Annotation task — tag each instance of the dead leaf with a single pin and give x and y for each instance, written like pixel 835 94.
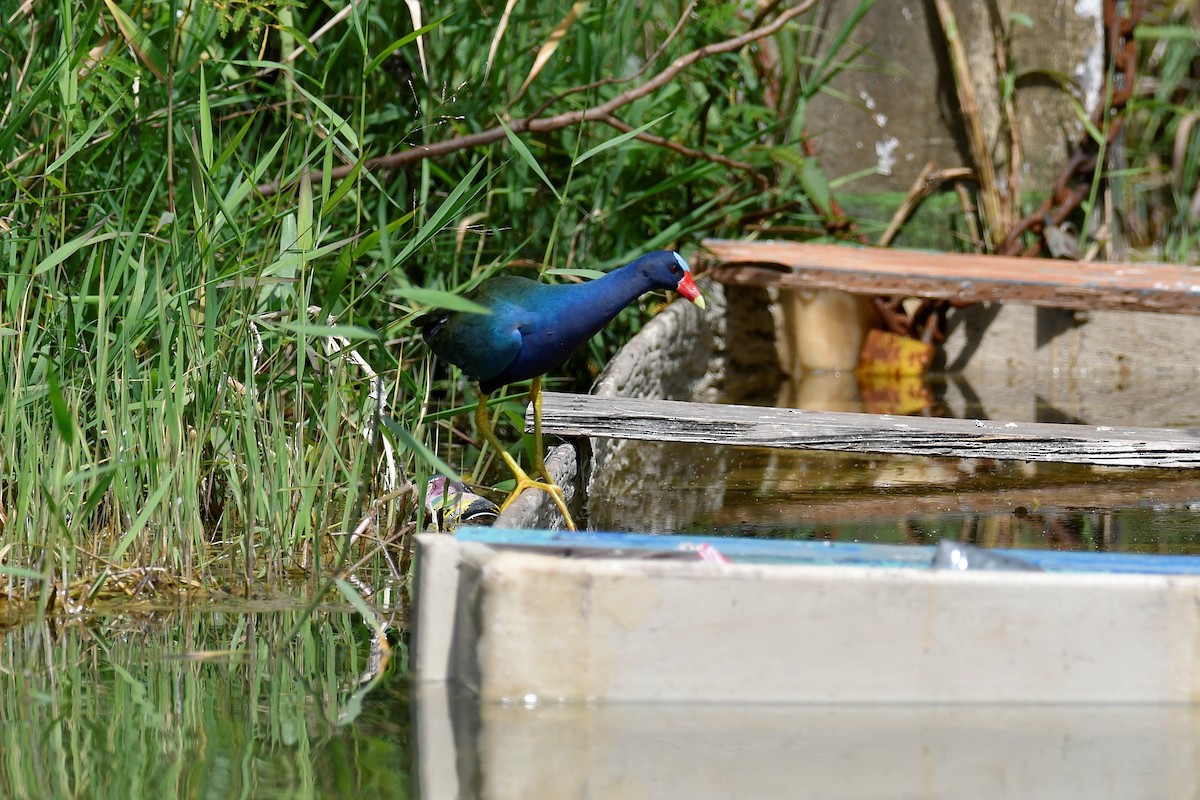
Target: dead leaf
pixel 551 44
pixel 414 11
pixel 503 26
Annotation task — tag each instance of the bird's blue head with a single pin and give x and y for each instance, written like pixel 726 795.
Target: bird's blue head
pixel 666 269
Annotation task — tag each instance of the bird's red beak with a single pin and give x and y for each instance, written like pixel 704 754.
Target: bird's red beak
pixel 687 288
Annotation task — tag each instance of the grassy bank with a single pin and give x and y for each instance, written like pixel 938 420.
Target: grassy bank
pixel 219 221
pixel 207 284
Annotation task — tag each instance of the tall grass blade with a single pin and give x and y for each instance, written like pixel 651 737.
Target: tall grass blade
pixel 617 141
pixel 462 195
pixel 523 152
pixel 391 49
pixel 136 38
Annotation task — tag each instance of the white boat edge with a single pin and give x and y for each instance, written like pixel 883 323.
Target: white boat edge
pixel 512 626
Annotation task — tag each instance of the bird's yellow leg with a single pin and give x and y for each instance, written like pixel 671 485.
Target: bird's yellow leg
pixel 483 423
pixel 539 452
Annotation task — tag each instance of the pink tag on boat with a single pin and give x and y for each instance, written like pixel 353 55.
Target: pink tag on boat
pixel 711 555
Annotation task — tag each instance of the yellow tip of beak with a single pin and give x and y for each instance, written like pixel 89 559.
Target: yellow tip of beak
pixel 699 301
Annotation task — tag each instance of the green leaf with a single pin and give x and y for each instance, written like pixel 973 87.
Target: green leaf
pixel 441 299
pixel 340 125
pixel 815 184
pixel 337 281
pixel 305 237
pixel 618 140
pixel 808 173
pixel 206 179
pixel 83 140
pixel 22 572
pixel 70 248
pixel 372 239
pixel 354 704
pixel 352 332
pixel 403 40
pixel 206 131
pixel 826 68
pixel 139 522
pixel 233 145
pixel 462 195
pixel 343 188
pixel 96 495
pixel 1024 20
pixel 147 51
pixel 406 439
pixel 1169 32
pixel 528 158
pixel 301 39
pixel 241 188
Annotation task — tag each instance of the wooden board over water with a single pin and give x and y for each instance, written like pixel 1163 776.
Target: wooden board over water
pixel 571 415
pixel 964 278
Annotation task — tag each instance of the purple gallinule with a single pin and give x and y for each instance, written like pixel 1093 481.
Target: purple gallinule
pixel 532 329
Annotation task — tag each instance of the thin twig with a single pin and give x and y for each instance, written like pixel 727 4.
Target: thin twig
pixel 684 150
pixel 609 81
pixel 764 12
pixel 969 212
pixel 1012 192
pixel 980 153
pixel 542 125
pixel 916 193
pixel 923 186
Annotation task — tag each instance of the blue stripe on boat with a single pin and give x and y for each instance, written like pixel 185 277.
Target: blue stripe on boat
pixel 787 551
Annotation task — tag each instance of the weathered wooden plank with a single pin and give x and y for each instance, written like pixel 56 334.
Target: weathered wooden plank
pixel 572 415
pixel 963 278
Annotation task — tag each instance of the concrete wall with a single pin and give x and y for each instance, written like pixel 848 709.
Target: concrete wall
pixel 904 110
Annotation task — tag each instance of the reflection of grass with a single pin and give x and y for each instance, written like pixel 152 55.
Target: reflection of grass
pixel 198 705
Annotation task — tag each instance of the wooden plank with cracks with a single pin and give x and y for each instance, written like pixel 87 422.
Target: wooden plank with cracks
pixel 962 278
pixel 572 415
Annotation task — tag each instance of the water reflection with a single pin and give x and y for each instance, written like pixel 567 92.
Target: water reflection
pixel 667 487
pixel 702 751
pixel 190 704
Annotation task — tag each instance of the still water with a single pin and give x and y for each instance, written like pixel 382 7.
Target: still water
pixel 667 487
pixel 202 703
pixel 276 701
pixel 269 704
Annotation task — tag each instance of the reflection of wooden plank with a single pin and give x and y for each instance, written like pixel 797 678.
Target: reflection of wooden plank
pixel 952 276
pixel 711 423
pixel 882 504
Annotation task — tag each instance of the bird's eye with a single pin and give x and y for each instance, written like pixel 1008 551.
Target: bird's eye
pixel 676 269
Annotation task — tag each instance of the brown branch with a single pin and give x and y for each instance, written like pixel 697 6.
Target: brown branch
pixel 596 113
pixel 764 12
pixel 691 152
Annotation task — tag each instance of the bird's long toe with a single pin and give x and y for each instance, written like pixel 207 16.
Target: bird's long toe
pixel 554 490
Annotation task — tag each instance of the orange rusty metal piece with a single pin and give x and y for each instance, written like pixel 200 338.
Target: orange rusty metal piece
pixel 889 354
pixel 898 395
pixel 891 373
